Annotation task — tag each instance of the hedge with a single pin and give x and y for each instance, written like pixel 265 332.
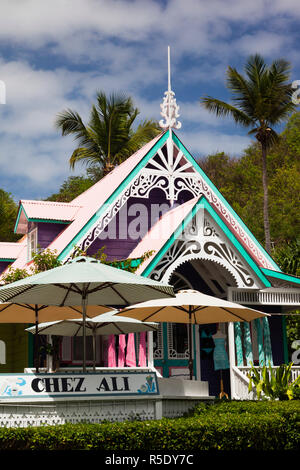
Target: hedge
pixel 226 426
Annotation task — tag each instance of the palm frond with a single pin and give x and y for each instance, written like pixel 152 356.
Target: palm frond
pixel 109 136
pixel 222 109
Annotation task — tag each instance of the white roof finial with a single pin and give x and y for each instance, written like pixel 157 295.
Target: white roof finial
pixel 169 107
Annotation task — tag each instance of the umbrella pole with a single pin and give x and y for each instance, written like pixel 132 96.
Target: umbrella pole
pixel 84 302
pixel 190 344
pixel 94 349
pixel 36 353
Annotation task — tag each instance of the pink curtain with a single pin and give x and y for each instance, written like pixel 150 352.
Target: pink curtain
pixel 121 351
pixel 130 354
pixel 142 350
pixel 111 351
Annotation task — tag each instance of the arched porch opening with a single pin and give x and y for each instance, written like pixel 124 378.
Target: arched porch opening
pixel 170 343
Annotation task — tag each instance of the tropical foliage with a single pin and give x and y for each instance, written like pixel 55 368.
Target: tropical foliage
pixel 261 100
pixel 239 178
pixel 274 383
pixel 71 188
pixel 109 137
pixel 8 214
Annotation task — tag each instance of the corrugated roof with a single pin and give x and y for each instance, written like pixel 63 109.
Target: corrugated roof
pixel 50 210
pixel 96 196
pixel 10 250
pixel 83 206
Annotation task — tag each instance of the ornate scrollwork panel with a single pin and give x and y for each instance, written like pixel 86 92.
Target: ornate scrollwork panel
pixel 170 171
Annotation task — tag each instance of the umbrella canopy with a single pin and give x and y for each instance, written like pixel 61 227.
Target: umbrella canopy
pixel 84 278
pixel 84 281
pixel 33 313
pixel 192 307
pixel 27 313
pixel 105 324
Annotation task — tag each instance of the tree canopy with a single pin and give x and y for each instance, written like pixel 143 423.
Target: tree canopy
pixel 261 99
pixel 109 137
pixel 8 213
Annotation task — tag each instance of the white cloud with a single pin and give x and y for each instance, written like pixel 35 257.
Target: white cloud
pixel 208 142
pixel 60 52
pixel 267 43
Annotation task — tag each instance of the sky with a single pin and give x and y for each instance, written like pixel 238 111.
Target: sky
pixel 57 54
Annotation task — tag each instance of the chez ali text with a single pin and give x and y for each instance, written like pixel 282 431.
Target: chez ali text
pixel 77 384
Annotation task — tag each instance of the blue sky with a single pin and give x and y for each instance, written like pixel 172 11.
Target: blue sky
pixel 56 55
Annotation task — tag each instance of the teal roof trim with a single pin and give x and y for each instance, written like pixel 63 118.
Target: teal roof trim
pixel 114 195
pixel 209 182
pixel 50 221
pixel 21 208
pixel 281 275
pixel 203 203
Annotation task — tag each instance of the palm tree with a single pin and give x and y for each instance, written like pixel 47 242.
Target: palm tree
pixel 261 100
pixel 108 138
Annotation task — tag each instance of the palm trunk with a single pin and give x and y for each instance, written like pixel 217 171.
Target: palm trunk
pixel 266 198
pixel 108 168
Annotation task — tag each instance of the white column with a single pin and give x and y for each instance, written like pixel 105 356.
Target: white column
pixel 2 352
pixel 197 358
pixel 49 357
pixel 150 349
pixel 231 354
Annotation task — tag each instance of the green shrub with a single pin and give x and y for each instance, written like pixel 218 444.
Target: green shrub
pixel 229 425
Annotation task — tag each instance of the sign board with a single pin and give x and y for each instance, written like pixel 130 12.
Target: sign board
pixel 32 387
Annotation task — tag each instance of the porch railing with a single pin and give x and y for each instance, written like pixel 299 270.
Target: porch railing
pixel 240 381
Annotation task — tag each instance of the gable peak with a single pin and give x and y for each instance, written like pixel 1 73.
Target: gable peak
pixel 169 107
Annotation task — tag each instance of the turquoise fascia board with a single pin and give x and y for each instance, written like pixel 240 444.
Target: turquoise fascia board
pixel 203 203
pixel 170 242
pixel 50 221
pixel 35 220
pixel 205 177
pixel 21 208
pixel 8 260
pixel 114 195
pixel 281 275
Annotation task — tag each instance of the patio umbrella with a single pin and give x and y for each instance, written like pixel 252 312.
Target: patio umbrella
pixel 33 313
pixel 105 324
pixel 192 307
pixel 84 281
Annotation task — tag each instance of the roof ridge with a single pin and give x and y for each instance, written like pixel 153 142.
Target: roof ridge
pixel 117 167
pixel 57 203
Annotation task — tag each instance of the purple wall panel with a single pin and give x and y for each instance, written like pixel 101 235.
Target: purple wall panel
pixel 47 232
pixel 130 225
pixel 3 265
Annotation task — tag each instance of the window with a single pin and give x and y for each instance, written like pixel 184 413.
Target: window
pixel 31 243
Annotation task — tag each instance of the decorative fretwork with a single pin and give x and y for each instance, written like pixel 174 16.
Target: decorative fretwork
pixel 158 343
pixel 179 250
pixel 202 240
pixel 225 252
pixel 173 352
pixel 170 171
pixel 209 230
pixel 269 296
pixel 169 107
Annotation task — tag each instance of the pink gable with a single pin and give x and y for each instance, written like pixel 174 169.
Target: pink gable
pixel 50 210
pixel 95 197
